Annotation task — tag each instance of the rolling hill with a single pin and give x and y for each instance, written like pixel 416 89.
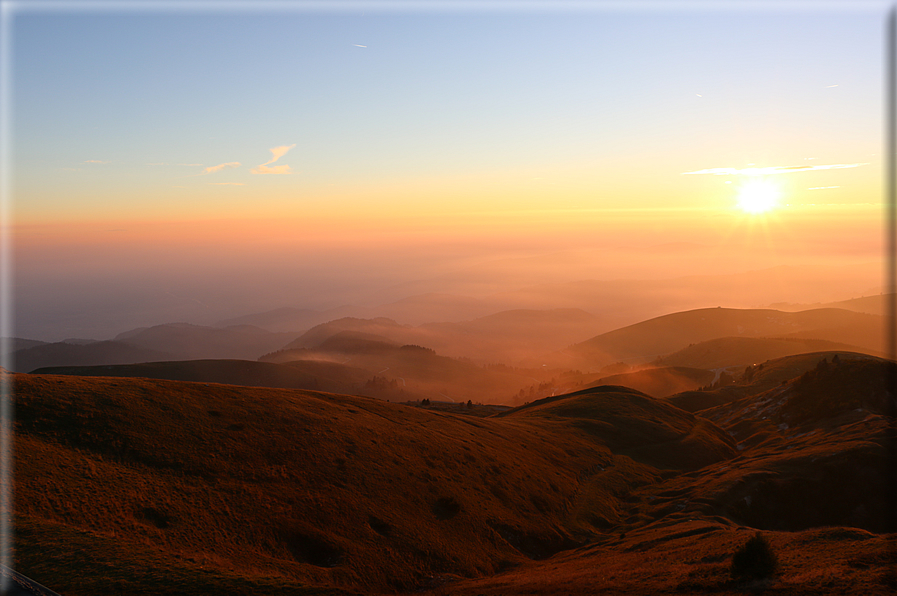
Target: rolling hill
pixel 315 375
pixel 282 491
pixel 660 381
pixel 725 352
pixel 658 337
pixel 874 305
pixel 66 354
pixel 811 474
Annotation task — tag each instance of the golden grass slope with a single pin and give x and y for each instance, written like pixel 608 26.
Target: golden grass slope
pixel 296 486
pixel 811 472
pixel 145 486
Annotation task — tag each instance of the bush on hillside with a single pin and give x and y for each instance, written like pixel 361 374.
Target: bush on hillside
pixel 754 560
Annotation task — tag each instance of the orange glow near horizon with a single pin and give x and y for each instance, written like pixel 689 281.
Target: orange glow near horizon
pixel 806 229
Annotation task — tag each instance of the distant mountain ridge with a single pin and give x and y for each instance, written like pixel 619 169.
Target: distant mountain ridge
pixel 875 305
pixel 190 342
pixel 65 354
pixel 658 337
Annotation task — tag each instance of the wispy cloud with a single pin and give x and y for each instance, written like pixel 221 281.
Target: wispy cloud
pixel 277 153
pixel 221 166
pixel 830 86
pixel 263 169
pixel 227 183
pixel 773 169
pixel 358 45
pixel 94 161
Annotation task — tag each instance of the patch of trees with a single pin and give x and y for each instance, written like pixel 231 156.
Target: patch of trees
pixel 723 380
pixel 381 383
pixel 417 348
pixel 537 391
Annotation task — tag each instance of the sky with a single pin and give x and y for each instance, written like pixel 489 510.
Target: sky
pixel 246 158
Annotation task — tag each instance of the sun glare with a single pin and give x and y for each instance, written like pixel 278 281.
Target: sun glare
pixel 758 196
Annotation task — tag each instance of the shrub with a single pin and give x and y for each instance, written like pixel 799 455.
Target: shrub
pixel 754 560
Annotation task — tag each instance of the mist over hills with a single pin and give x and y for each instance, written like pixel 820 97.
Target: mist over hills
pixel 614 292
pixel 188 341
pixel 504 358
pixel 418 369
pixel 174 341
pixel 507 337
pixel 619 302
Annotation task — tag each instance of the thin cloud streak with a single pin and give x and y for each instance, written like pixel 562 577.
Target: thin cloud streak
pixel 222 166
pixel 263 169
pixel 226 183
pixel 94 161
pixel 773 169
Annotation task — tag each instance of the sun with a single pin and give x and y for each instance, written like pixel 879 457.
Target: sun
pixel 758 196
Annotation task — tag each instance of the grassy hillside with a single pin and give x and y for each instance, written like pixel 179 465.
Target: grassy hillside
pixel 632 423
pixel 811 474
pixel 755 379
pixel 726 352
pixel 690 555
pixel 146 486
pixel 661 336
pixel 301 487
pixel 302 374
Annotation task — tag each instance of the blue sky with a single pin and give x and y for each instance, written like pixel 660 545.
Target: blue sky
pixel 434 93
pixel 407 141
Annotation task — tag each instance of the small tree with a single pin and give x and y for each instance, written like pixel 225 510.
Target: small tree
pixel 754 560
